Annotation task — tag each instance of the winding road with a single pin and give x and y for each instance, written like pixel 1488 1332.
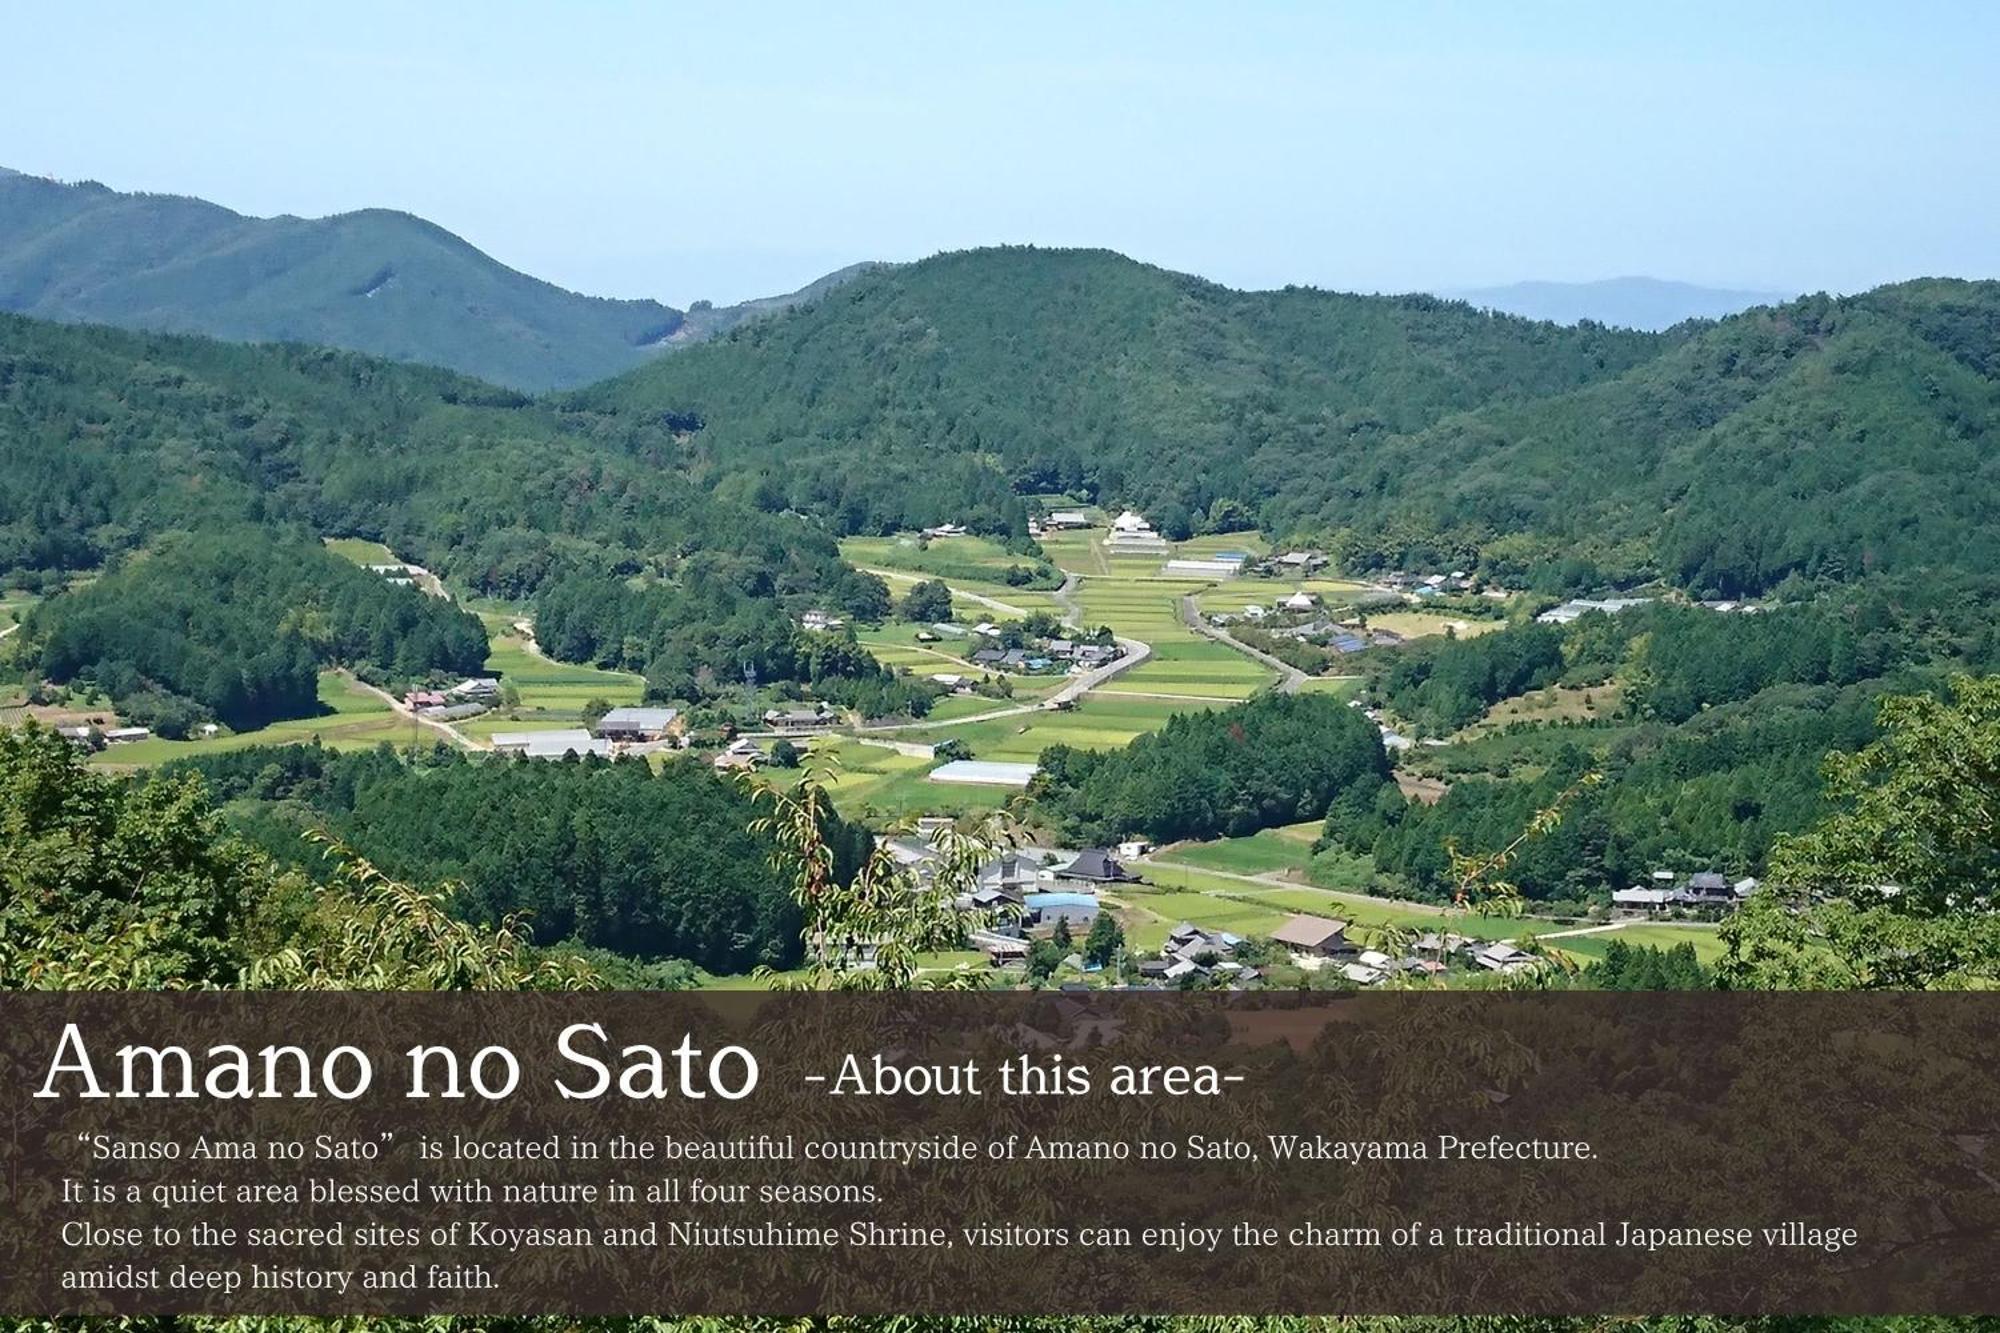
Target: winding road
pixel 1290 678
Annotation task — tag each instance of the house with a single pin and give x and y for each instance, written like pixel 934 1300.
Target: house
pixel 1079 910
pixel 1744 887
pixel 741 754
pixel 478 687
pixel 1195 944
pixel 1132 534
pixel 1361 974
pixel 795 720
pixel 1376 959
pixel 1000 950
pixel 126 735
pixel 1706 888
pixel 945 530
pixel 1094 654
pixel 820 622
pixel 951 680
pixel 1067 518
pixel 1254 612
pixel 987 629
pixel 1641 899
pixel 992 657
pixel 1134 848
pixel 1505 958
pixel 1011 875
pixel 640 724
pixel 1315 935
pixel 83 737
pixel 424 699
pixel 1096 866
pixel 1299 601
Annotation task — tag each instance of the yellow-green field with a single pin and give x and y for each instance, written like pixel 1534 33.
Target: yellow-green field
pixel 13 606
pixel 552 693
pixel 1422 624
pixel 978 558
pixel 1706 939
pixel 362 551
pixel 1000 602
pixel 355 719
pixel 1177 893
pixel 1183 661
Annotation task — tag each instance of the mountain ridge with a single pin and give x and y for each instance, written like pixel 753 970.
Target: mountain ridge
pixel 1632 302
pixel 375 280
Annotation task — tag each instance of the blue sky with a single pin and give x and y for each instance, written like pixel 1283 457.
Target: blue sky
pixel 681 151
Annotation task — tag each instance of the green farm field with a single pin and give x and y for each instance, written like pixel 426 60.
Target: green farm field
pixel 354 719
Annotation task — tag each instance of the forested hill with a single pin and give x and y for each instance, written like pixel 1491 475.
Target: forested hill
pixel 109 438
pixel 914 393
pixel 373 281
pixel 1823 437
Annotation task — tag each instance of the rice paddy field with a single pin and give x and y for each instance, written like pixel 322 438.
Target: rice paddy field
pixel 552 693
pixel 1706 939
pixel 978 558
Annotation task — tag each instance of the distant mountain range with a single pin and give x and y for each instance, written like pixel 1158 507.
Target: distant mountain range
pixel 1626 303
pixel 372 281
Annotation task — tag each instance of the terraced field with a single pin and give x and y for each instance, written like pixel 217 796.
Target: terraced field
pixel 980 559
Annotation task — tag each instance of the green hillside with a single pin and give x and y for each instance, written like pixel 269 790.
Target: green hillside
pixel 373 281
pixel 912 394
pixel 108 438
pixel 1824 437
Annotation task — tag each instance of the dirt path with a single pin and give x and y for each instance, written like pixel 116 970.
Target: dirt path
pixel 1273 880
pixel 397 706
pixel 991 603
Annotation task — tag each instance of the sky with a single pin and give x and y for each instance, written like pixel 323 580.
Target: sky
pixel 683 151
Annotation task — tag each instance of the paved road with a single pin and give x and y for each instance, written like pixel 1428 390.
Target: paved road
pixel 1290 678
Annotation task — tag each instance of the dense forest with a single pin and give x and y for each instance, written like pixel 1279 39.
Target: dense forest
pixel 234 626
pixel 108 438
pixel 1275 760
pixel 1708 748
pixel 647 864
pixel 1807 439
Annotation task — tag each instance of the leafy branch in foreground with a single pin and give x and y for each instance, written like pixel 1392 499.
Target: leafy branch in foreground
pixel 870 932
pixel 1898 888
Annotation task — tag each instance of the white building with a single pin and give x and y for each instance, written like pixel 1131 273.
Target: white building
pixel 1133 534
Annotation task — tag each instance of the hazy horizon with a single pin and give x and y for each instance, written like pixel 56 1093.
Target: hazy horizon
pixel 632 152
